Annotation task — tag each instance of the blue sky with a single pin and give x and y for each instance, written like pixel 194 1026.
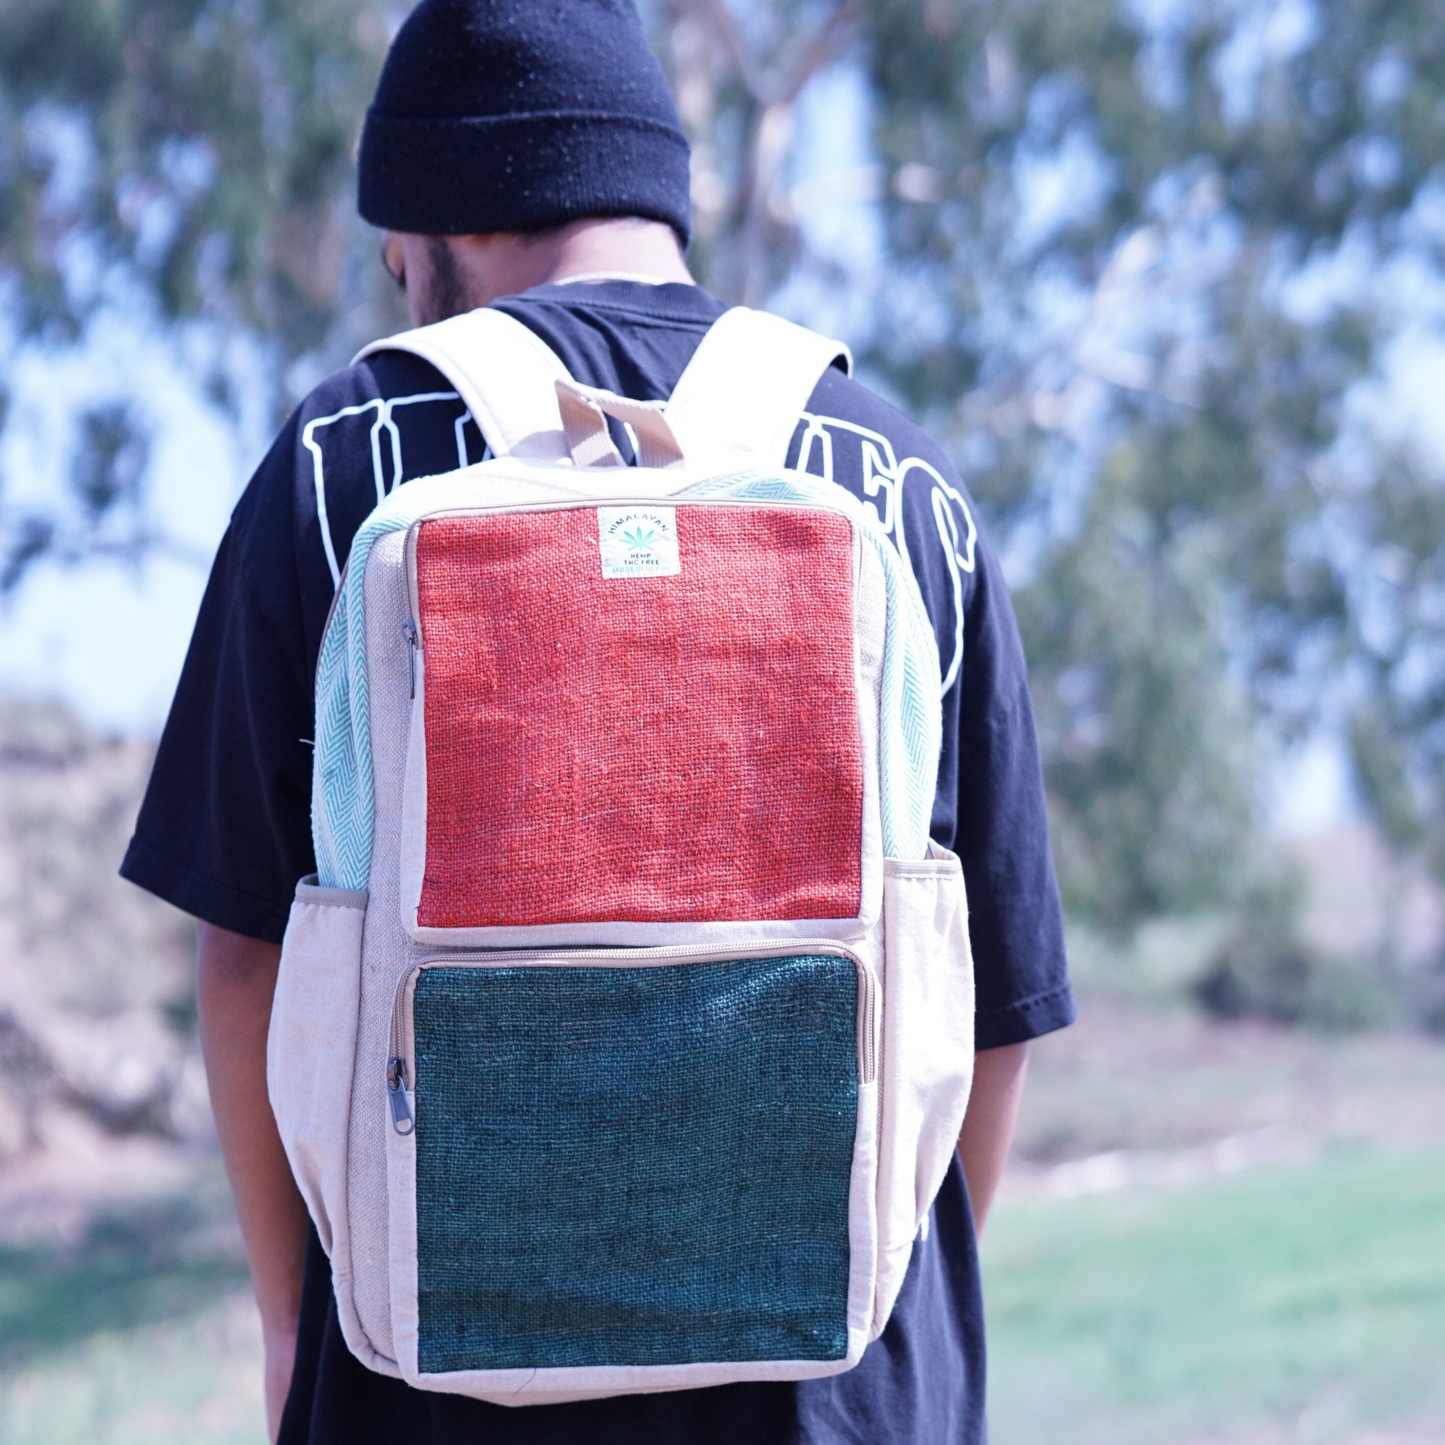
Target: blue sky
pixel 109 637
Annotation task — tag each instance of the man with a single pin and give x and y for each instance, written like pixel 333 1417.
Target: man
pixel 527 154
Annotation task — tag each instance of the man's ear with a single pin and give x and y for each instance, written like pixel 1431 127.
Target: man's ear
pixel 393 258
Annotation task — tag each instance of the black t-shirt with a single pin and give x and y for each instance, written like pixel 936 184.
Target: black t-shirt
pixel 224 831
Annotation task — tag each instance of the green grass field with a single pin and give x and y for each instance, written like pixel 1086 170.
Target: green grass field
pixel 193 1380
pixel 140 1332
pixel 1299 1304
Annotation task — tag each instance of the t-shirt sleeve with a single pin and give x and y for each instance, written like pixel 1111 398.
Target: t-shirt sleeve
pixel 1002 831
pixel 224 831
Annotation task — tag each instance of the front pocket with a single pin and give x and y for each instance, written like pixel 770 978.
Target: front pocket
pixel 311 1044
pixel 632 1161
pixel 680 749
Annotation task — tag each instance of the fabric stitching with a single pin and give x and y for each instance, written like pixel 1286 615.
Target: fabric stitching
pixel 1019 1005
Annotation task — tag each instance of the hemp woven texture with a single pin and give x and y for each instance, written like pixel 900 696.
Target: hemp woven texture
pixel 674 748
pixel 909 726
pixel 635 1166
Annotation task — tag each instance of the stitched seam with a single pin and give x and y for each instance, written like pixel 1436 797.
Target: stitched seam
pixel 933 868
pixel 1019 1004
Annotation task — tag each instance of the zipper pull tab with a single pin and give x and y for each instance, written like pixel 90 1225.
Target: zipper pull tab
pixel 402 1119
pixel 409 628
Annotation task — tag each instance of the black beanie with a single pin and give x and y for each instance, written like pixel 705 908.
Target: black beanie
pixel 513 115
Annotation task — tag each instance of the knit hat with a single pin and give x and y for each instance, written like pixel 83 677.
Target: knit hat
pixel 512 115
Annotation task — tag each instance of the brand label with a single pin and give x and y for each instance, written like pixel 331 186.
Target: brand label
pixel 638 541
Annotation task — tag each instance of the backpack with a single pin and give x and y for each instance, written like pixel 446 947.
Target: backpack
pixel 623 1036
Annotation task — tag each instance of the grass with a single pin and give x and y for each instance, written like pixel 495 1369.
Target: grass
pixel 1302 1303
pixel 139 1332
pixel 194 1380
pixel 131 1268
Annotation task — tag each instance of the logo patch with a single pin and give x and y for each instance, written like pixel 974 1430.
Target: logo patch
pixel 638 541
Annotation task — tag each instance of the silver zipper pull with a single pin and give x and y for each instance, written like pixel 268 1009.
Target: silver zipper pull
pixel 409 628
pixel 402 1119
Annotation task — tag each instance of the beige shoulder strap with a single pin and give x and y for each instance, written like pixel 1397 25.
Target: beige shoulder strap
pixel 505 373
pixel 739 400
pixel 736 405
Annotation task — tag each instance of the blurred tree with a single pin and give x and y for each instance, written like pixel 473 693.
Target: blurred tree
pixel 1158 254
pixel 202 147
pixel 737 72
pixel 187 163
pixel 191 162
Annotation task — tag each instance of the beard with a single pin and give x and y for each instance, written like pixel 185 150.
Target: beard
pixel 446 292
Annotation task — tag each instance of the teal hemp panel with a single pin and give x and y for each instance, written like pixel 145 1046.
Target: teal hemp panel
pixel 634 1166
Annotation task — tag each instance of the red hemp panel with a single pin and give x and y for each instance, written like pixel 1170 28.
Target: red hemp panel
pixel 663 748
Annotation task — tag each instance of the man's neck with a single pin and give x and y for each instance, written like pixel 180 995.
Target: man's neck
pixel 647 250
pixel 445 275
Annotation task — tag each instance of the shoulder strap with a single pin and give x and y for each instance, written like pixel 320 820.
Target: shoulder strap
pixel 737 403
pixel 739 400
pixel 504 372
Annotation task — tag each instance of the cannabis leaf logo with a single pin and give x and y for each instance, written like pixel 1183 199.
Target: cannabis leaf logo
pixel 639 538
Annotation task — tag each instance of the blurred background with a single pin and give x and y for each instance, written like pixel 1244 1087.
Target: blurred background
pixel 1167 277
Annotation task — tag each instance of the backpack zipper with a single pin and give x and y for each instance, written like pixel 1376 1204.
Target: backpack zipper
pixel 402 1118
pixel 409 631
pixel 399 1069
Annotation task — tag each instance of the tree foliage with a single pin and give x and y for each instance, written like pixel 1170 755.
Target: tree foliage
pixel 187 163
pixel 205 146
pixel 1160 256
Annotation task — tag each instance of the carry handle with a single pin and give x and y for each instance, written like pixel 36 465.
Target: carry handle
pixel 585 410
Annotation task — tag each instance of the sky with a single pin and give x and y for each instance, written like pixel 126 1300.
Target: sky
pixel 109 637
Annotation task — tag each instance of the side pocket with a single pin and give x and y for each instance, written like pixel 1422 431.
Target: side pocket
pixel 311 1046
pixel 927 1050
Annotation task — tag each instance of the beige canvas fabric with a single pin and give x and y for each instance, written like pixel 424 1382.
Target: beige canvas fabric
pixel 366 1316
pixel 585 410
pixel 738 402
pixel 311 1043
pixel 508 381
pixel 927 1066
